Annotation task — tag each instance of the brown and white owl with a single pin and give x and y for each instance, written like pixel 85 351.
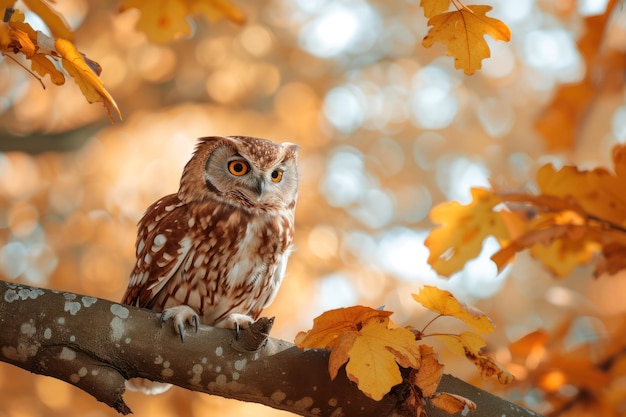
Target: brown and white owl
pixel 216 251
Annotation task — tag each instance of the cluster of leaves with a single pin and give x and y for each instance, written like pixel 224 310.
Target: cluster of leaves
pixel 161 24
pixel 373 349
pixel 462 31
pixel 576 215
pixel 19 38
pixel 593 378
pixel 168 21
pixel 562 120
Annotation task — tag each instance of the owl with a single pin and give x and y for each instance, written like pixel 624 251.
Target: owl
pixel 215 252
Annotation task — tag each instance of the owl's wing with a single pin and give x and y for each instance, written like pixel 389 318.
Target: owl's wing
pixel 162 246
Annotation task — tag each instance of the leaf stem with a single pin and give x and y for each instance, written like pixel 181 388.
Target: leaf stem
pixel 27 70
pixel 430 322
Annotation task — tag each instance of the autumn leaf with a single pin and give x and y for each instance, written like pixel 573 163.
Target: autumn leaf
pixel 42 66
pixel 434 7
pixel 365 339
pixel 444 303
pixel 429 373
pixel 452 403
pixel 333 323
pixel 18 37
pixel 560 122
pixel 166 20
pixel 89 83
pixel 55 22
pixel 463 342
pixel 463 31
pixel 375 355
pixel 462 230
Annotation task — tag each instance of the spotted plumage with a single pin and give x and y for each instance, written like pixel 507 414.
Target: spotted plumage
pixel 220 245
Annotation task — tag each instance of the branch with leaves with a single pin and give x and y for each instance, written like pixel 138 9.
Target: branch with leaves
pixel 577 215
pixel 96 344
pixel 19 39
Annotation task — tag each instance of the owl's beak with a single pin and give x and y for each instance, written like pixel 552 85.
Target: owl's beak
pixel 260 186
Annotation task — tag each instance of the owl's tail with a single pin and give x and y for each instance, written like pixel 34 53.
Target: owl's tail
pixel 146 386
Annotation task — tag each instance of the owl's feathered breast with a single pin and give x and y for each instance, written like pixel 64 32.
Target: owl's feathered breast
pixel 216 258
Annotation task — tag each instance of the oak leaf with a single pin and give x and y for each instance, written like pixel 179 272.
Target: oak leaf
pixel 463 31
pixel 463 228
pixel 444 303
pixel 166 20
pixel 89 83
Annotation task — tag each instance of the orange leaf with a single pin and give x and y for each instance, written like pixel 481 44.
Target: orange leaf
pixel 560 122
pixel 331 324
pixel 340 353
pixel 444 303
pixel 25 45
pixel 463 32
pixel 429 373
pixel 452 403
pixel 89 83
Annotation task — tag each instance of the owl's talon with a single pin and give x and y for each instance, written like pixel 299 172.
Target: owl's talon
pixel 181 332
pixel 237 328
pixel 181 315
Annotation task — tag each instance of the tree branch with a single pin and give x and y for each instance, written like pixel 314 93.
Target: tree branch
pixel 96 344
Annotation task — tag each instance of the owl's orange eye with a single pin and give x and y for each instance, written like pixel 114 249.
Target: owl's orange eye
pixel 238 168
pixel 277 175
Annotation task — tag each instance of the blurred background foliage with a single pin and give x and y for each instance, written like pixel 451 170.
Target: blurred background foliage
pixel 387 128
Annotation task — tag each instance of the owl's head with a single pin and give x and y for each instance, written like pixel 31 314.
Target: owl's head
pixel 243 171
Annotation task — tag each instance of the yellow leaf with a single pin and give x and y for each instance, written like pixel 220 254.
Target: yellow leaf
pixel 463 32
pixel 464 342
pixel 42 65
pixel 566 253
pixel 89 83
pixel 331 324
pixel 599 192
pixel 434 7
pixel 452 403
pixel 429 373
pixel 24 43
pixel 444 303
pixel 462 230
pixel 55 22
pixel 166 20
pixel 375 355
